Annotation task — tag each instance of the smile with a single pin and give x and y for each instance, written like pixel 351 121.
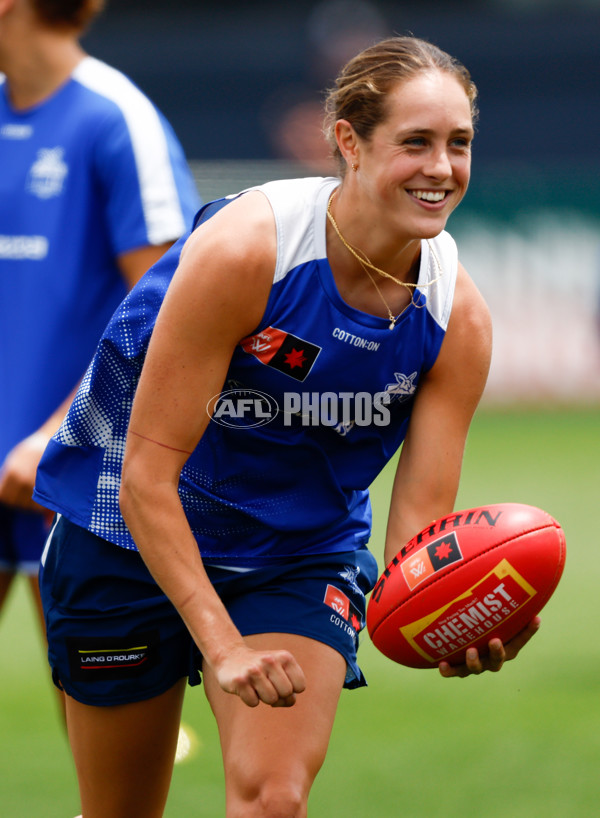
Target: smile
pixel 429 195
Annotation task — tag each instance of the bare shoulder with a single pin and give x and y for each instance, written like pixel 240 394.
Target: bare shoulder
pixel 466 352
pixel 243 230
pixel 470 326
pixel 227 265
pixel 470 312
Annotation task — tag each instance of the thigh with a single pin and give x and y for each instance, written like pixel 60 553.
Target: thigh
pixel 124 755
pixel 113 636
pixel 267 748
pixel 320 597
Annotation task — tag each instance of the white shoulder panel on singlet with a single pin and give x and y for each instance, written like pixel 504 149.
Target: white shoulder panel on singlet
pixel 439 266
pixel 158 190
pixel 299 206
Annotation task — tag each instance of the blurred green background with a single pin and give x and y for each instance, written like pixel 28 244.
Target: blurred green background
pixel 522 743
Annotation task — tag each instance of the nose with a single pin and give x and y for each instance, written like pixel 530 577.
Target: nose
pixel 438 165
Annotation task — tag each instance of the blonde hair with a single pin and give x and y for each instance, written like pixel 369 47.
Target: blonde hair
pixel 361 89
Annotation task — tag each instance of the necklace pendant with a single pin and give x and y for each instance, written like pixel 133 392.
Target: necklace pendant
pixel 392 323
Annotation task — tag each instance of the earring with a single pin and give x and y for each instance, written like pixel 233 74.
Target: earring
pixel 354 167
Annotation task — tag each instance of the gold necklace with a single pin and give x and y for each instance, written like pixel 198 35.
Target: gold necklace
pixel 387 306
pixel 365 263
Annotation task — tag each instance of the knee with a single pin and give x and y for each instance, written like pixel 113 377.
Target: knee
pixel 271 798
pixel 280 800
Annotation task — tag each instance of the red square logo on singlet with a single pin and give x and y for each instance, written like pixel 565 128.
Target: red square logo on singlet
pixel 282 351
pixel 337 600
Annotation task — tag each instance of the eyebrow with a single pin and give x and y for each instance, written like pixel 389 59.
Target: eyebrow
pixel 430 131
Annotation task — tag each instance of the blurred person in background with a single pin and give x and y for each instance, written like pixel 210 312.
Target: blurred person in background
pixel 292 116
pixel 94 188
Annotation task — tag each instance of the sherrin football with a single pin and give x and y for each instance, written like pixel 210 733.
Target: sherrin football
pixel 467 578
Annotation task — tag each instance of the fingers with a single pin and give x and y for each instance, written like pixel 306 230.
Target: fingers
pixel 498 654
pixel 287 679
pixel 272 677
pixel 17 475
pixel 269 682
pixel 521 639
pixel 17 493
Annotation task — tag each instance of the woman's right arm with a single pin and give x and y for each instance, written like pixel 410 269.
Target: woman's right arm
pixel 217 297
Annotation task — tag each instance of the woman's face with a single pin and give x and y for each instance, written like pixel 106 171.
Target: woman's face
pixel 417 163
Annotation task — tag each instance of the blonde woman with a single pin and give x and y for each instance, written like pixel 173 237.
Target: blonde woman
pixel 213 472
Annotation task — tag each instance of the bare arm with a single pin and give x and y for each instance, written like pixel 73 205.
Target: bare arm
pixel 134 263
pixel 217 297
pixel 428 474
pixel 17 473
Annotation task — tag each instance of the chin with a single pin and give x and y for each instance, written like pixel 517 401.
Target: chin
pixel 430 231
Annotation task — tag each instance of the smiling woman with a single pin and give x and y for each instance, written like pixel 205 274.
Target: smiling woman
pixel 362 88
pixel 411 171
pixel 240 533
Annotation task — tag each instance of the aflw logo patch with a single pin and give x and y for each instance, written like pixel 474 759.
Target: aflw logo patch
pixel 342 605
pixel 283 351
pixel 432 558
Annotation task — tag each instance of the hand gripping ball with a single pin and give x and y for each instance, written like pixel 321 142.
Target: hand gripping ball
pixel 467 578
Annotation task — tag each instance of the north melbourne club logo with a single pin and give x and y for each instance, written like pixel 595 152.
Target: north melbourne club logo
pixel 403 388
pixel 282 351
pixel 350 575
pixel 48 173
pixel 427 561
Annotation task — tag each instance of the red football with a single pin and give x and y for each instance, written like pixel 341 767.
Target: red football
pixel 469 577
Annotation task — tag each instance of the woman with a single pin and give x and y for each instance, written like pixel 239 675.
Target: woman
pixel 90 197
pixel 309 328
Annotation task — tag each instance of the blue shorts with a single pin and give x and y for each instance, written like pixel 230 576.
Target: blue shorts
pixel 22 538
pixel 114 637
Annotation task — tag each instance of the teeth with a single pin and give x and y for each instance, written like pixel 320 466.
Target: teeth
pixel 429 195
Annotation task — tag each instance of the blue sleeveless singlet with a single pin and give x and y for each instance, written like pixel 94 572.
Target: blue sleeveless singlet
pixel 316 401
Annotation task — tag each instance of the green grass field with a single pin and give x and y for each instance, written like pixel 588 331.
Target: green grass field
pixel 519 744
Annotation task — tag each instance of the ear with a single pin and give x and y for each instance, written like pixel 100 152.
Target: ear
pixel 347 141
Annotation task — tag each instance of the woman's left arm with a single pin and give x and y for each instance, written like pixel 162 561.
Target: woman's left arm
pixel 217 296
pixel 428 473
